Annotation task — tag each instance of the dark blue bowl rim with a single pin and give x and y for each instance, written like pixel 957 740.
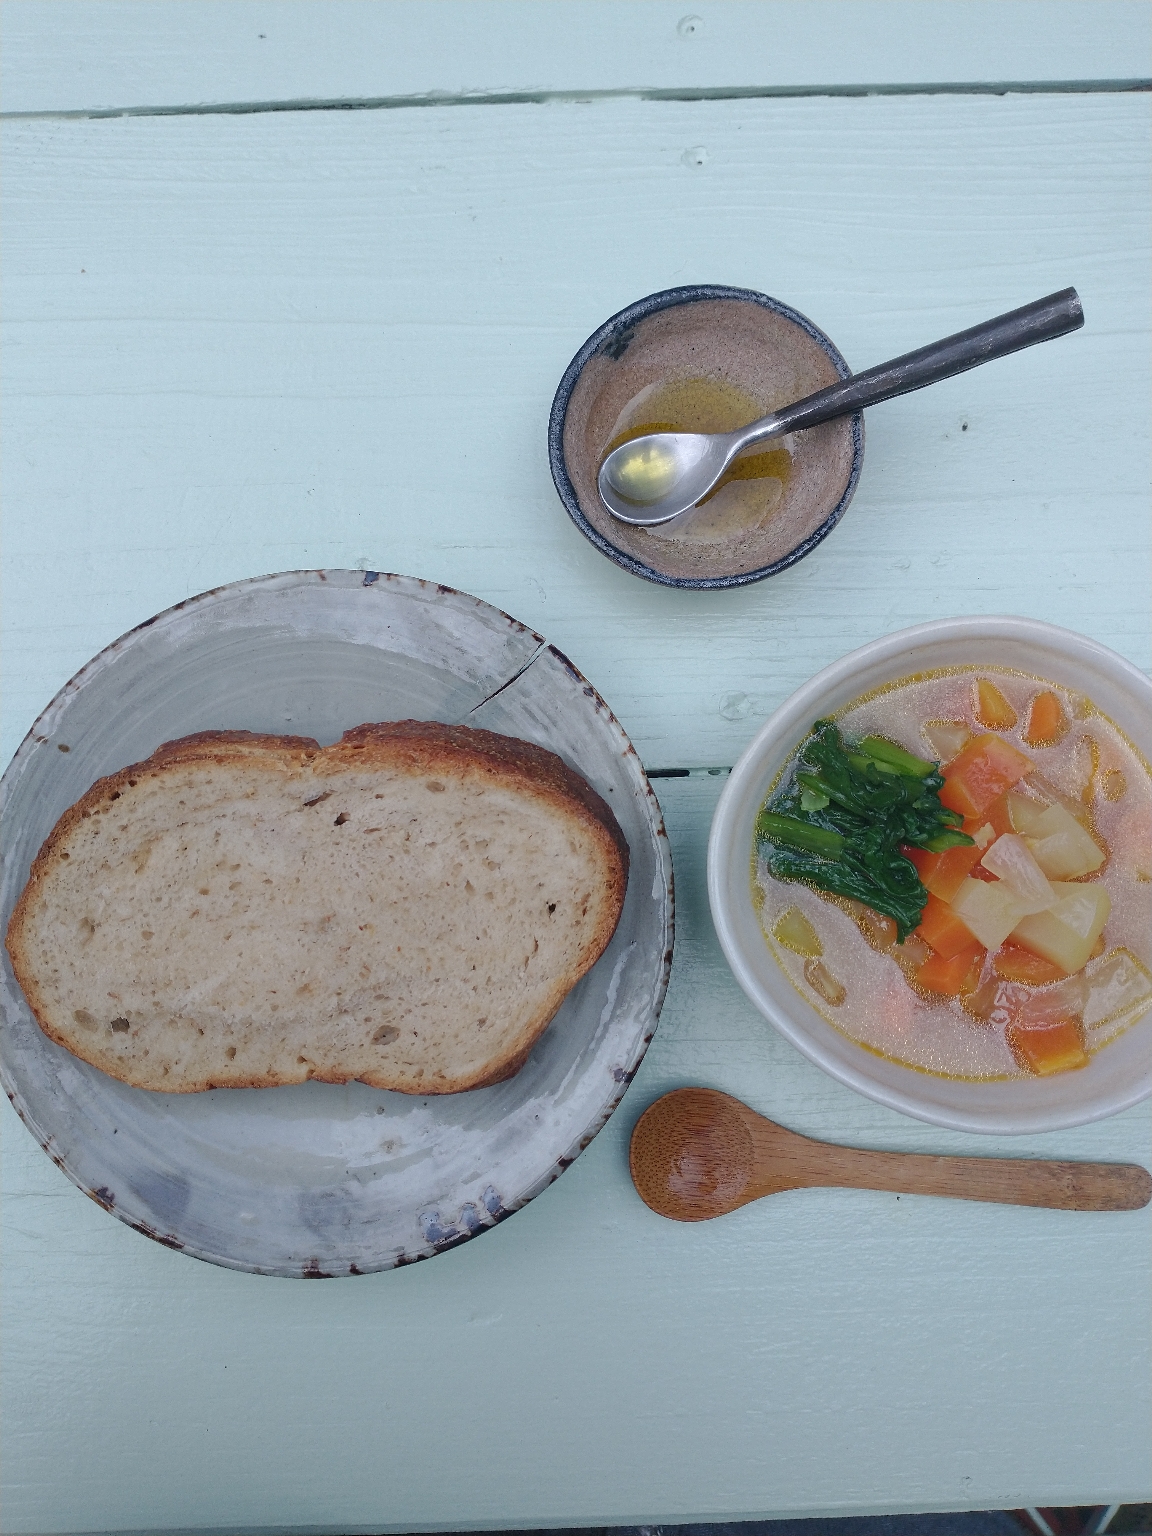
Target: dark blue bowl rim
pixel 611 333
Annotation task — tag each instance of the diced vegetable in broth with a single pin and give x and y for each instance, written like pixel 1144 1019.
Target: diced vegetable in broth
pixel 1023 812
pixel 981 773
pixel 878 929
pixel 1011 861
pixel 1047 721
pixel 954 977
pixel 1048 1048
pixel 1006 1002
pixel 993 822
pixel 943 929
pixel 911 955
pixel 796 933
pixel 1117 984
pixel 1023 922
pixel 992 708
pixel 1061 846
pixel 988 909
pixel 946 738
pixel 1066 934
pixel 942 873
pixel 1052 794
pixel 1012 962
pixel 821 980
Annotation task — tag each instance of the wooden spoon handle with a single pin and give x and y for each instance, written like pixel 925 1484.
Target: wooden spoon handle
pixel 1007 1181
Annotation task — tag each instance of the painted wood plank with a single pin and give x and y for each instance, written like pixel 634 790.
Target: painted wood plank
pixel 223 337
pixel 231 342
pixel 83 55
pixel 588 1363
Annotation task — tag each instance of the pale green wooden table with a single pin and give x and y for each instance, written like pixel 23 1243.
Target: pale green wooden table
pixel 230 331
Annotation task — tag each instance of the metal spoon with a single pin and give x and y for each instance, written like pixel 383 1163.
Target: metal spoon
pixel 698 1153
pixel 655 478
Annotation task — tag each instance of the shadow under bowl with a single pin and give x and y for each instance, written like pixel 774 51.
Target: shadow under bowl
pixel 749 345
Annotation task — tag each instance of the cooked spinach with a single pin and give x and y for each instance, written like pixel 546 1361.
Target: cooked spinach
pixel 842 816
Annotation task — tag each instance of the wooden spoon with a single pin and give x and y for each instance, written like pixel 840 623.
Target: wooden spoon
pixel 698 1153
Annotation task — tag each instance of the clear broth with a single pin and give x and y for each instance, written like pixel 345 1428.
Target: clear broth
pixel 1094 763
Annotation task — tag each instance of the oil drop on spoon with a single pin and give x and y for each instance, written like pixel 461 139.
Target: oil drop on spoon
pixel 648 473
pixel 749 493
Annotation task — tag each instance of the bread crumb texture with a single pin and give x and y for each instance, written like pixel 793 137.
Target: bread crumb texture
pixel 408 907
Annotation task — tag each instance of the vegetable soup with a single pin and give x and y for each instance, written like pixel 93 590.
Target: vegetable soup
pixel 956 872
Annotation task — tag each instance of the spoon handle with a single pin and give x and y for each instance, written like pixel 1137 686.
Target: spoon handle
pixel 1043 320
pixel 1005 1181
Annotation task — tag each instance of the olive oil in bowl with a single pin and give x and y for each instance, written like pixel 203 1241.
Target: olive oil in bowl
pixel 752 487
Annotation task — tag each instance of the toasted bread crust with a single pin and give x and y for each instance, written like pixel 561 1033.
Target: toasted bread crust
pixel 409 747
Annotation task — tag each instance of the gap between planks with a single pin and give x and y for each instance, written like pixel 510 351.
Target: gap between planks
pixel 687 773
pixel 543 98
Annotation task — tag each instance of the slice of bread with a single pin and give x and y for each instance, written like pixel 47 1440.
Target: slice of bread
pixel 408 907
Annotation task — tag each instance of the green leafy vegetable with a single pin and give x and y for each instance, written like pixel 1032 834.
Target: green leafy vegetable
pixel 841 818
pixel 888 754
pixel 799 834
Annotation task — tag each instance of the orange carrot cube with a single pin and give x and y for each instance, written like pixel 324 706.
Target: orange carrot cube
pixel 1047 1047
pixel 951 978
pixel 992 709
pixel 1012 962
pixel 942 929
pixel 996 816
pixel 981 773
pixel 942 873
pixel 1047 721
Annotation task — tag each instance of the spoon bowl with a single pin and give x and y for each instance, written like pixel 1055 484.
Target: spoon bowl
pixel 698 1153
pixel 653 479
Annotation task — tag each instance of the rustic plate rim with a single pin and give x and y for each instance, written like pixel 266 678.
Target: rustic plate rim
pixel 289 580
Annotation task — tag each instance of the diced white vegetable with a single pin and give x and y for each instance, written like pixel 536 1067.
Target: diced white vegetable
pixel 1010 860
pixel 878 929
pixel 1117 983
pixel 1061 846
pixel 1024 812
pixel 796 933
pixel 988 910
pixel 1052 794
pixel 1066 934
pixel 946 738
pixel 984 836
pixel 911 955
pixel 821 980
pixel 1009 1002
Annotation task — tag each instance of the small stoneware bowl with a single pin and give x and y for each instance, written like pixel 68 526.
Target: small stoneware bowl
pixel 1117 1075
pixel 707 359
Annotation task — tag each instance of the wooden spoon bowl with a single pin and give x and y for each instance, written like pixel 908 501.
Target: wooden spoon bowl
pixel 698 1153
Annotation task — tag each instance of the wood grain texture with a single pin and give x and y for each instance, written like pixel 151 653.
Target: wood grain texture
pixel 825 1351
pixel 230 342
pixel 84 55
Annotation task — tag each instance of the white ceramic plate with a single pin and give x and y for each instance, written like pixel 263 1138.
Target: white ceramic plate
pixel 1117 1076
pixel 317 1179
